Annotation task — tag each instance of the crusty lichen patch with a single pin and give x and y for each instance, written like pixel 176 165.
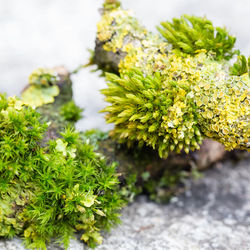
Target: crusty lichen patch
pixel 42 88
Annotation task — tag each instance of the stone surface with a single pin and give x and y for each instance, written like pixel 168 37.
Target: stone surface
pixel 214 213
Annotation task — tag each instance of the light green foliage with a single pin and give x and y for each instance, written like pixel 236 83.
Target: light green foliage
pixel 190 33
pixel 53 191
pixel 71 112
pixel 37 96
pixel 241 66
pixel 42 89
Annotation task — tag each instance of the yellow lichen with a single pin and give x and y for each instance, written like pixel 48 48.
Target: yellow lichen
pixel 42 89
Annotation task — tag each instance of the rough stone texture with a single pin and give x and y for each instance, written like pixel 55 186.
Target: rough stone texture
pixel 214 213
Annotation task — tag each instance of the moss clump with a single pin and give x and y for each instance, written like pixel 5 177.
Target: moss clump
pixel 53 191
pixel 190 33
pixel 71 112
pixel 42 88
pixel 152 112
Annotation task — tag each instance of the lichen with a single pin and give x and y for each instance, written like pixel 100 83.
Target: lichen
pixel 42 88
pixel 168 100
pixel 51 191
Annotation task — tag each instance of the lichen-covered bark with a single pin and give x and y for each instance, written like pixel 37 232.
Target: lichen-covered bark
pixel 221 100
pixel 51 112
pixel 110 60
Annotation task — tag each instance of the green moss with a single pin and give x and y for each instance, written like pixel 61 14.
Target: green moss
pixel 241 66
pixel 94 137
pixel 190 34
pixel 52 191
pixel 71 112
pixel 144 110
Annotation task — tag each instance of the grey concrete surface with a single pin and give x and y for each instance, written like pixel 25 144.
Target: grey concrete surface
pixel 214 213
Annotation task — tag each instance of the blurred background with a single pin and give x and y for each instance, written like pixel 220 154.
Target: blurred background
pixel 47 33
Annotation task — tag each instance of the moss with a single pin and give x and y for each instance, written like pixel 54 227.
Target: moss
pixel 190 33
pixel 55 190
pixel 141 171
pixel 241 66
pixel 139 111
pixel 71 112
pixel 94 137
pixel 168 100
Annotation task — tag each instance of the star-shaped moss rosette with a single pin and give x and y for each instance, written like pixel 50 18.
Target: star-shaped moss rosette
pixel 42 88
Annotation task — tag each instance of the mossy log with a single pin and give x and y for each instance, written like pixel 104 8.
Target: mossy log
pixel 209 153
pixel 159 177
pixel 210 150
pixel 166 96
